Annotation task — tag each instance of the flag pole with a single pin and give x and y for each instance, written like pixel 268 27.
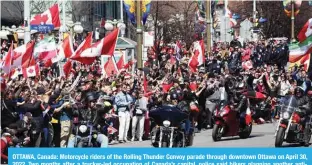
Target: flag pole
pixel 11 59
pixel 26 21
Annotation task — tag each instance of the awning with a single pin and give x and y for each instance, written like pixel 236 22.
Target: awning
pixel 125 43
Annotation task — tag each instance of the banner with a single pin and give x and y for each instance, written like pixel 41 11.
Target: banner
pixel 160 156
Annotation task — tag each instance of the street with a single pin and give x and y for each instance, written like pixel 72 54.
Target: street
pixel 261 136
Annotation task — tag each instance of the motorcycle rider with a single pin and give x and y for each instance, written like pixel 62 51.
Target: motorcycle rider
pixel 22 127
pixel 304 102
pixel 239 100
pixel 90 114
pixel 177 99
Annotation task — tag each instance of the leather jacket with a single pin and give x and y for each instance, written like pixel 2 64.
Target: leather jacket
pixel 305 101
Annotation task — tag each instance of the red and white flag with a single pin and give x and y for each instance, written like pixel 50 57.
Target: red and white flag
pixel 49 18
pixel 23 56
pixel 306 31
pixel 7 63
pixel 65 49
pixel 198 57
pixel 121 62
pixel 110 67
pixel 105 46
pixel 82 47
pixel 247 65
pixel 67 67
pixel 31 71
pixel 45 49
pixel 102 22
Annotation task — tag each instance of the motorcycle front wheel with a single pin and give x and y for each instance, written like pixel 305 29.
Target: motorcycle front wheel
pixel 216 133
pixel 246 132
pixel 280 137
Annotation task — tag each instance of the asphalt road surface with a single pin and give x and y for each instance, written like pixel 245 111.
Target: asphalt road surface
pixel 261 136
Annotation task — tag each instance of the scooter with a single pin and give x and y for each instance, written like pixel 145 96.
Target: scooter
pixel 228 124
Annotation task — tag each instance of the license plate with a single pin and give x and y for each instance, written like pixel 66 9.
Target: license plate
pixel 34 132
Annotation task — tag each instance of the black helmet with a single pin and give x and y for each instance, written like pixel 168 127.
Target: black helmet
pixel 91 96
pixel 180 95
pixel 174 96
pixel 299 91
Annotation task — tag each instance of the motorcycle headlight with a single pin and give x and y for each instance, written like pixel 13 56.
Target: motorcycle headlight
pixel 83 128
pixel 222 113
pixel 286 115
pixel 166 123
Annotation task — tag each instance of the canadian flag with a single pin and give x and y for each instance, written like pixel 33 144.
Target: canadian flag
pixel 121 62
pixel 306 31
pixel 110 67
pixel 23 56
pixel 198 57
pixel 65 49
pixel 67 67
pixel 247 65
pixel 7 63
pixel 31 71
pixel 82 47
pixel 105 46
pixel 49 18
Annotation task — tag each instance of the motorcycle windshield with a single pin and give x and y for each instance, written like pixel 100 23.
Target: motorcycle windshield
pixel 289 104
pixel 170 113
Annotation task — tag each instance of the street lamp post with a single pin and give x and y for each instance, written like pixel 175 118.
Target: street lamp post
pixel 139 34
pixel 293 21
pixel 110 25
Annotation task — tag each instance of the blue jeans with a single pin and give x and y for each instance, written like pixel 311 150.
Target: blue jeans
pixel 187 126
pixel 101 138
pixel 45 142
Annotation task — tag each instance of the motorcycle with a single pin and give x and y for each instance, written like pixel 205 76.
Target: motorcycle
pixel 168 131
pixel 290 124
pixel 228 124
pixel 86 135
pixel 216 105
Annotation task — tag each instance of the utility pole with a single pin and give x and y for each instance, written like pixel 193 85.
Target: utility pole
pixel 293 21
pixel 121 15
pixel 139 34
pixel 208 6
pixel 26 21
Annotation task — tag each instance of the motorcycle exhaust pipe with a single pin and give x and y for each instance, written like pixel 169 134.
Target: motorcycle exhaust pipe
pixel 171 137
pixel 160 138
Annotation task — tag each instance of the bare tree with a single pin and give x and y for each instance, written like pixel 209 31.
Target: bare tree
pixel 278 24
pixel 12 11
pixel 173 20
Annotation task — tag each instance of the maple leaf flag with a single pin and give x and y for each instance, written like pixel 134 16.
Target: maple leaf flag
pixel 7 63
pixel 198 57
pixel 110 67
pixel 81 48
pixel 47 21
pixel 23 56
pixel 31 71
pixel 105 46
pixel 247 65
